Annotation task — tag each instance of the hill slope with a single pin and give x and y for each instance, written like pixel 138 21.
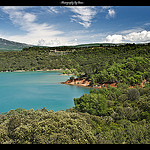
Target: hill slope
pixel 10 45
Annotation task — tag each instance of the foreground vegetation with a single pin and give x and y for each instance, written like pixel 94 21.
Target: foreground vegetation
pixel 109 115
pixel 104 116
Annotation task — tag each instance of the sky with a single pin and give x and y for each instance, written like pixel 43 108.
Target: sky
pixel 72 25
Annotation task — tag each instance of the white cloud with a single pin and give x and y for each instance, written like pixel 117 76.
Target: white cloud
pixel 114 38
pixel 111 12
pixel 83 14
pixel 28 17
pixel 143 36
pixel 105 7
pixel 36 33
pixel 135 37
pixel 52 9
pixel 85 24
pixel 147 24
pixel 42 33
pixel 131 30
pixel 15 8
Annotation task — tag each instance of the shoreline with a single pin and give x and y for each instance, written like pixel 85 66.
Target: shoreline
pixel 86 83
pixel 33 70
pixel 78 81
pixel 71 74
pixel 82 85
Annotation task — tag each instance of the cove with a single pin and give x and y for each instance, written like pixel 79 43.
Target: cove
pixel 37 90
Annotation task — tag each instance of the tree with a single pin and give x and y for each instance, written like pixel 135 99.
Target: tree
pixel 72 78
pixel 133 94
pixel 94 104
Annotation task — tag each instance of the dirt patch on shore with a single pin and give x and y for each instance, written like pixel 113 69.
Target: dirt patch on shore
pixel 78 81
pixel 84 82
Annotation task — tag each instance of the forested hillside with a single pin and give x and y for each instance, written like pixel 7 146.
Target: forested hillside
pixel 108 115
pixel 128 63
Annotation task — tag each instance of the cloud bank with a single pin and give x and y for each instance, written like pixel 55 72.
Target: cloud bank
pixel 135 37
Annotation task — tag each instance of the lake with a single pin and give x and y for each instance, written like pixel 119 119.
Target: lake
pixel 37 89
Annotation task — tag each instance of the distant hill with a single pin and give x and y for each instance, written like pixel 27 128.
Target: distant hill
pixel 106 44
pixel 100 44
pixel 95 45
pixel 6 45
pixel 10 45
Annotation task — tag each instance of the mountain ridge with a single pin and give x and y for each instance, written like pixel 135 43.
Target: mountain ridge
pixel 7 45
pixel 11 45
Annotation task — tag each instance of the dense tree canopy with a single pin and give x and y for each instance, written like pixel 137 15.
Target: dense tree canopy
pixel 126 63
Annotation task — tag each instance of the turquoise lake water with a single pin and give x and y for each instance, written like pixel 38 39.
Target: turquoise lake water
pixel 37 90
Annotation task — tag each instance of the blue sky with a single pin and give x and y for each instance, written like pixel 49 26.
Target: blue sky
pixel 71 25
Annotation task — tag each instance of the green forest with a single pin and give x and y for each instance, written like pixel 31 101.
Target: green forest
pixel 128 63
pixel 104 116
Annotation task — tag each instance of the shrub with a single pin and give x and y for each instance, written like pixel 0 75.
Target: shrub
pixel 133 94
pixel 72 78
pixel 94 104
pixel 123 97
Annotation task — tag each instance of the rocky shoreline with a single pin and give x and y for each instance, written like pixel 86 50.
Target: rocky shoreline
pixel 85 83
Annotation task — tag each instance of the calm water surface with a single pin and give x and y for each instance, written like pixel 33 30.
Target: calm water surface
pixel 37 90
